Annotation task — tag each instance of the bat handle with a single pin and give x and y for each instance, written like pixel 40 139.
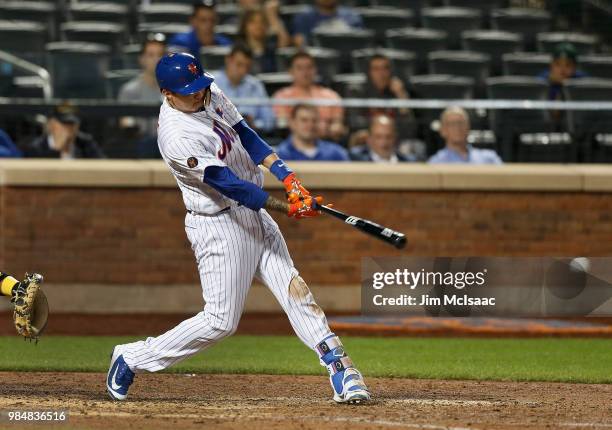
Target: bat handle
pixel 333 212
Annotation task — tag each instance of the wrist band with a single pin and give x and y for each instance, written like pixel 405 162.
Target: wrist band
pixel 280 170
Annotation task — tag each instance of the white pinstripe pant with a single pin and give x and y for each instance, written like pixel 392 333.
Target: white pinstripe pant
pixel 232 248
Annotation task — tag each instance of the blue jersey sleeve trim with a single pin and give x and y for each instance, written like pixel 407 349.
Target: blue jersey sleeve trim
pixel 227 183
pixel 257 148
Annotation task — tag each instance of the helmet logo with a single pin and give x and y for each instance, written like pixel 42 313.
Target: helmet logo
pixel 193 68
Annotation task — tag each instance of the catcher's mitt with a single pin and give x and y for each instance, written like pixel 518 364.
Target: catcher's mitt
pixel 31 308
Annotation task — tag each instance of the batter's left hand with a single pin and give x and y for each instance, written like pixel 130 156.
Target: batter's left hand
pixel 294 189
pixel 306 208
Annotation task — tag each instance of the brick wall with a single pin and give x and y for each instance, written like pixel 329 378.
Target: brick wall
pixel 2 220
pixel 136 235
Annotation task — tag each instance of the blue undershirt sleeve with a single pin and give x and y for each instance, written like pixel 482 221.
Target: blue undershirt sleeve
pixel 227 183
pixel 257 148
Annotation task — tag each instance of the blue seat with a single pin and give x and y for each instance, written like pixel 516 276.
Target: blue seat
pixel 525 63
pixel 164 12
pixel 510 124
pixel 99 11
pixel 493 42
pixel 452 20
pixel 420 41
pixel 42 12
pixel 382 18
pixel 525 21
pixel 78 68
pixel 105 33
pixel 585 44
pixel 469 64
pixel 25 39
pixel 596 65
pixel 593 128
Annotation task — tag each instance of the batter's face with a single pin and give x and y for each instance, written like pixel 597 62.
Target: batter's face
pixel 190 103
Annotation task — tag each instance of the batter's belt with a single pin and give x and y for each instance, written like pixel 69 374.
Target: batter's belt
pixel 227 209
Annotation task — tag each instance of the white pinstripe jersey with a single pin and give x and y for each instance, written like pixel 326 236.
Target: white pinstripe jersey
pixel 190 142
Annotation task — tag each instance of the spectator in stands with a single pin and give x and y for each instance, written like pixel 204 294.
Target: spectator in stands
pixel 564 65
pixel 263 31
pixel 7 147
pixel 267 5
pixel 381 143
pixel 244 5
pixel 455 129
pixel 203 20
pixel 381 84
pixel 324 13
pixel 303 143
pixel 236 82
pixel 144 88
pixel 62 138
pixel 303 70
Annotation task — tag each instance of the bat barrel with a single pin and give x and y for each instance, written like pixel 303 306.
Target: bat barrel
pixel 392 237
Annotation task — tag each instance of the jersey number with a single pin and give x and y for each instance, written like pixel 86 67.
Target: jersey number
pixel 227 138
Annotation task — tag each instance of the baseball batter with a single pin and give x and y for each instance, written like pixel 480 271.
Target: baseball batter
pixel 215 158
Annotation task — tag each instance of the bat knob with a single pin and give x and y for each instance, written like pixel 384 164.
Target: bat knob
pixel 400 241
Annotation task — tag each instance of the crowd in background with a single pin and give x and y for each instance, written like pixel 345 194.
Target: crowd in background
pixel 324 133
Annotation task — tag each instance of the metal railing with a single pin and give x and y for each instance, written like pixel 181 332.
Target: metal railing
pixel 26 66
pixel 106 106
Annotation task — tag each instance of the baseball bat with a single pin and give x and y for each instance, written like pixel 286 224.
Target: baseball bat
pixel 388 235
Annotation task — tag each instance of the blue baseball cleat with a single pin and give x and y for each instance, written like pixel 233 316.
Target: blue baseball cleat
pixel 351 388
pixel 346 381
pixel 119 377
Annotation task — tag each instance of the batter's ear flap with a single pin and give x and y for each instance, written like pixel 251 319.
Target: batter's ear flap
pixel 207 97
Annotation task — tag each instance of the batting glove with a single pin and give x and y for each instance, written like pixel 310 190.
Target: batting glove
pixel 294 189
pixel 306 208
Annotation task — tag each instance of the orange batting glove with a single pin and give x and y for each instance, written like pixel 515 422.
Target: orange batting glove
pixel 306 208
pixel 294 189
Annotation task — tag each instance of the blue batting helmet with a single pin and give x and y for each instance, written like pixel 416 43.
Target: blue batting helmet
pixel 182 73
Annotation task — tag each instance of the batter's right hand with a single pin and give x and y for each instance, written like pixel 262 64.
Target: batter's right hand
pixel 306 208
pixel 294 189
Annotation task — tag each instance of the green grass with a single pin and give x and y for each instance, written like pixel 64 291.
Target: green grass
pixel 563 360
